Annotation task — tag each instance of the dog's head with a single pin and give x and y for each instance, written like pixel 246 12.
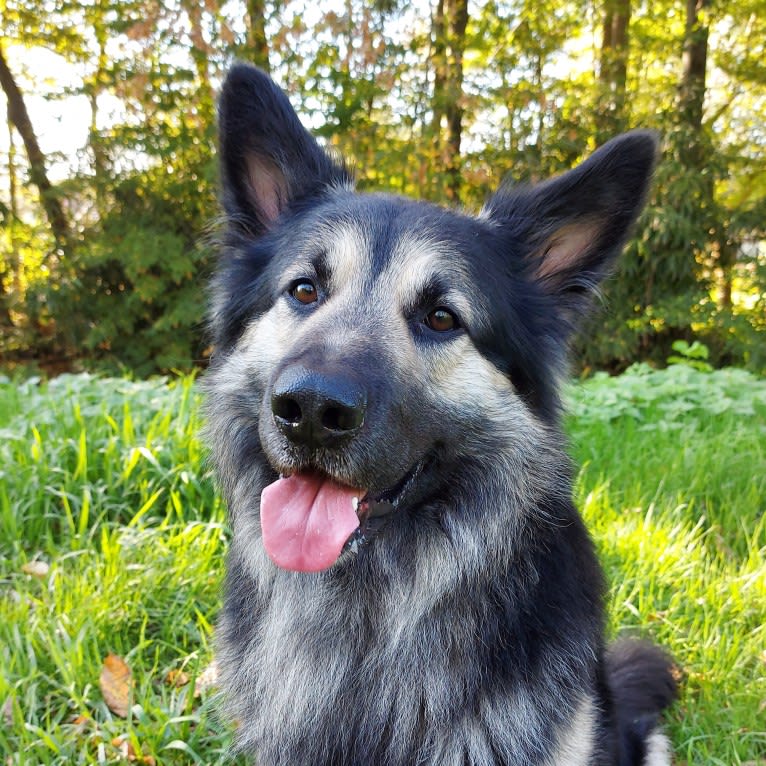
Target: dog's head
pixel 367 344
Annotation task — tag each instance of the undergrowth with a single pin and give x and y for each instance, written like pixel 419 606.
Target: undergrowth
pixel 112 540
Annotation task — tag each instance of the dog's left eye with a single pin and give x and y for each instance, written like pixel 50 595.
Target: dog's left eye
pixel 442 320
pixel 304 291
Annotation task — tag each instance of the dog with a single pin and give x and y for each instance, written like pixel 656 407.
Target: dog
pixel 408 580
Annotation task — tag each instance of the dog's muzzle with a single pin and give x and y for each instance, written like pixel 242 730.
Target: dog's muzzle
pixel 316 409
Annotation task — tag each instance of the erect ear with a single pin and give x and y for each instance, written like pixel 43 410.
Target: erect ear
pixel 570 230
pixel 268 159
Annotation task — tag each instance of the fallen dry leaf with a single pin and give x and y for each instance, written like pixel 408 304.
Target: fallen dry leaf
pixel 82 721
pixel 128 752
pixel 177 678
pixel 115 683
pixel 125 748
pixel 36 568
pixel 7 711
pixel 207 679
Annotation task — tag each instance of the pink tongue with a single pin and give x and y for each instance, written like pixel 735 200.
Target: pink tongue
pixel 306 520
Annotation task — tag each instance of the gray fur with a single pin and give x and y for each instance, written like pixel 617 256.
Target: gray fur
pixel 335 642
pixel 469 628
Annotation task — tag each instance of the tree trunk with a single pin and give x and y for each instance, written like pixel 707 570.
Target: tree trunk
pixel 12 265
pixel 536 163
pixel 693 143
pixel 439 63
pixel 613 70
pixel 13 191
pixel 257 43
pixel 94 87
pixel 457 21
pixel 17 111
pixel 692 90
pixel 726 259
pixel 200 53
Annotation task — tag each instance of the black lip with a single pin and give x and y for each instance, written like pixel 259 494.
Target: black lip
pixel 376 509
pixel 393 496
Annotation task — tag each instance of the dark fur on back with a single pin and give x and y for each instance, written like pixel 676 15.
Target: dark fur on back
pixel 468 626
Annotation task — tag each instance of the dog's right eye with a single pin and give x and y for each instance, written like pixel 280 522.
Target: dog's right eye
pixel 304 291
pixel 442 320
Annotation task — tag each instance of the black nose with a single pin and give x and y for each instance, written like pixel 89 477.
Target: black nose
pixel 317 408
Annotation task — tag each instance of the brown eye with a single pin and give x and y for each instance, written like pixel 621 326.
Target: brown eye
pixel 442 320
pixel 304 291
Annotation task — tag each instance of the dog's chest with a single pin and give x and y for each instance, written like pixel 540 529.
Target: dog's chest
pixel 350 680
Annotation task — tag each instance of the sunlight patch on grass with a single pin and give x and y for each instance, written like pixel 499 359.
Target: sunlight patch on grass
pixel 112 540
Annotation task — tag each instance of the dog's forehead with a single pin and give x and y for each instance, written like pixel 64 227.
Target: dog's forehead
pixel 420 261
pixel 399 244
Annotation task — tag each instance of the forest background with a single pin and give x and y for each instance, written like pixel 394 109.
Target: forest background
pixel 106 266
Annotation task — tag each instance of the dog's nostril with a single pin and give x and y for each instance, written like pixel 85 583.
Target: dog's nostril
pixel 286 408
pixel 341 418
pixel 316 408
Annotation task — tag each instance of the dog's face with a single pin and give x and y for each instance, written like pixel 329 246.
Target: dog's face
pixel 366 344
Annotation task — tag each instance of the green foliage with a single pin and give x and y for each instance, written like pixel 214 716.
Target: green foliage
pixel 105 482
pixel 538 90
pixel 130 292
pixel 139 296
pixel 693 355
pixel 662 399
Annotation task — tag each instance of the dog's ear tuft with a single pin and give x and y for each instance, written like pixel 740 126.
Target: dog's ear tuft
pixel 268 159
pixel 571 229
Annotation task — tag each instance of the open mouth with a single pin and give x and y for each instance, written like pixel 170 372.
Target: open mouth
pixel 374 510
pixel 308 519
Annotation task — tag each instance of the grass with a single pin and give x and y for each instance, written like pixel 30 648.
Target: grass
pixel 673 487
pixel 104 481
